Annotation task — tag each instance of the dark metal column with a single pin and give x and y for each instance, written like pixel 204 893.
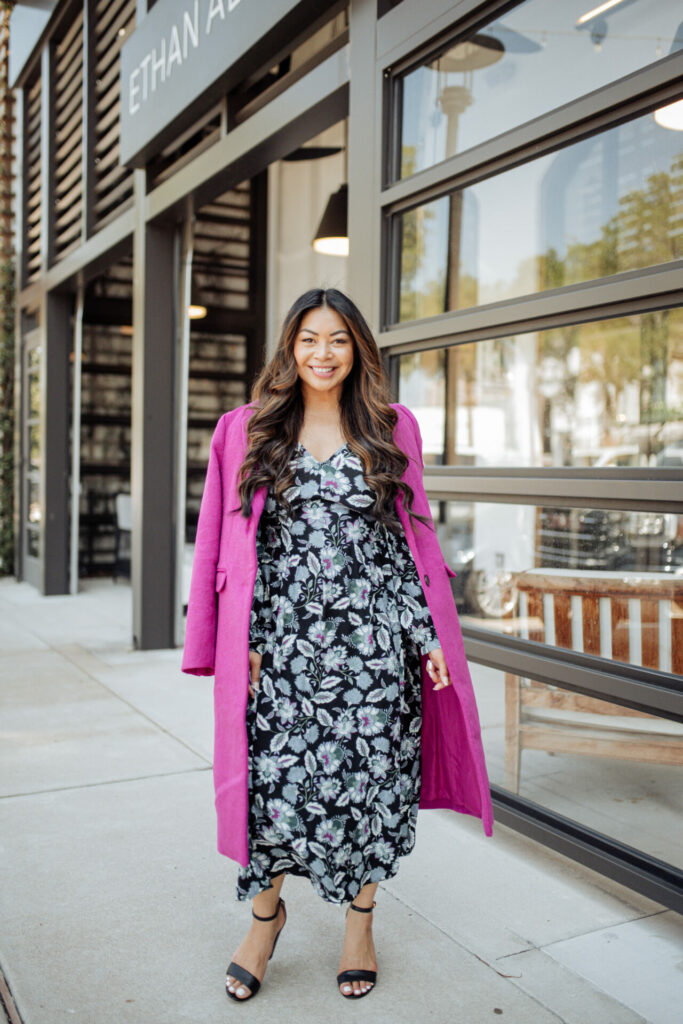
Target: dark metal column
pixel 153 543
pixel 56 328
pixel 363 164
pixel 257 275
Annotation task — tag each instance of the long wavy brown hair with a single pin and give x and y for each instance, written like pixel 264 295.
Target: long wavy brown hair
pixel 367 419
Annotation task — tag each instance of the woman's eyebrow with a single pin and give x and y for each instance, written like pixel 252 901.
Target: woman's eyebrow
pixel 341 330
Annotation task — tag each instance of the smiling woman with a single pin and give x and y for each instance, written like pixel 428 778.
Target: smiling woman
pixel 346 596
pixel 323 351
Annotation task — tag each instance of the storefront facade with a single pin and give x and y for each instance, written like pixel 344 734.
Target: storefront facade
pixel 515 236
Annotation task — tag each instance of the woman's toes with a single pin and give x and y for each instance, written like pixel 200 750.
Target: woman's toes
pixel 346 988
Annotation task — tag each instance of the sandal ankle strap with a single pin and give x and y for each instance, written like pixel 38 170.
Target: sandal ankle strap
pixel 272 916
pixel 363 910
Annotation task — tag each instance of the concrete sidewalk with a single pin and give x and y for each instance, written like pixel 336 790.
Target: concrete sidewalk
pixel 116 906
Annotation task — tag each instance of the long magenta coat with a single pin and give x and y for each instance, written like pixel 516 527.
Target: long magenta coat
pixel 217 639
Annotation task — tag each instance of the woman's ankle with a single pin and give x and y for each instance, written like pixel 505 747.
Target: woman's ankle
pixel 267 905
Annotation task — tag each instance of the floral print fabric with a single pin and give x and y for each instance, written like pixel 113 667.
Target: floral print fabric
pixel 340 619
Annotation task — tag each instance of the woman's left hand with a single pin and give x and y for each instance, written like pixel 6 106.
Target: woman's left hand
pixel 437 669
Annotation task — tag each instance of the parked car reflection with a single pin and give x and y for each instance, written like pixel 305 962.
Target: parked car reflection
pixel 488 545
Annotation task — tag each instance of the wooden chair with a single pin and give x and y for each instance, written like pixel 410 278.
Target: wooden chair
pixel 635 618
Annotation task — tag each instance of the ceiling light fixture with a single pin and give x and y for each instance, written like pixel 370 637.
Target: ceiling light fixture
pixel 598 10
pixel 332 236
pixel 196 312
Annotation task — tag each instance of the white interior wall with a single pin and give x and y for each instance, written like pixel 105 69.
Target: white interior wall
pixel 297 195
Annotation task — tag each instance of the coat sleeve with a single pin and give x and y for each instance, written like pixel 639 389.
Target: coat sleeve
pixel 426 536
pixel 200 633
pixel 420 502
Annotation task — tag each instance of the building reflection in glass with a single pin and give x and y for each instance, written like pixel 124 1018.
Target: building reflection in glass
pixel 489 80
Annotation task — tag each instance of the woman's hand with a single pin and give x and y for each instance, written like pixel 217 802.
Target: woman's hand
pixel 437 669
pixel 254 671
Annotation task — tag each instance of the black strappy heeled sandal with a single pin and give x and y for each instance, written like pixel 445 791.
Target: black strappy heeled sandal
pixel 241 973
pixel 358 975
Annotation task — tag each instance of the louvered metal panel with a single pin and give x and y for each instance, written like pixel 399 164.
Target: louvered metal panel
pixel 113 21
pixel 32 179
pixel 106 414
pixel 67 142
pixel 222 251
pixel 186 147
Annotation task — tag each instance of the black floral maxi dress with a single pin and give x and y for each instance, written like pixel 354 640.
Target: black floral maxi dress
pixel 340 619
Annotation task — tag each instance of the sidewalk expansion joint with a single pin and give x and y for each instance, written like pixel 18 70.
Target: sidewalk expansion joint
pixel 84 654
pixel 105 782
pixel 601 928
pixel 470 952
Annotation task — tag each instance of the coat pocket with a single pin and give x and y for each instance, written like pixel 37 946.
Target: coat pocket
pixel 221 578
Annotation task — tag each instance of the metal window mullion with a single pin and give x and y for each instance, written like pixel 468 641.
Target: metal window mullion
pixel 184 245
pixel 392 102
pixel 47 172
pixel 76 409
pixel 631 292
pixel 626 494
pixel 89 137
pixel 658 693
pixel 22 170
pixel 412 27
pixel 364 152
pixel 624 864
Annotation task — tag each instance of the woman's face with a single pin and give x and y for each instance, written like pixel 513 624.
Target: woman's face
pixel 323 350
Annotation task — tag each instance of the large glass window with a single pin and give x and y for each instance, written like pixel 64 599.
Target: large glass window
pixel 607 204
pixel 481 85
pixel 606 582
pixel 608 393
pixel 610 768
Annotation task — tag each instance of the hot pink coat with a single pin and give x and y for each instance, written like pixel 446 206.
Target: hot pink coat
pixel 217 639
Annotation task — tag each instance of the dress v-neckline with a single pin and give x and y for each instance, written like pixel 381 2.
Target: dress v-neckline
pixel 322 462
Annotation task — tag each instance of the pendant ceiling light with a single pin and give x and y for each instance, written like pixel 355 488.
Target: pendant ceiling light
pixel 332 236
pixel 196 312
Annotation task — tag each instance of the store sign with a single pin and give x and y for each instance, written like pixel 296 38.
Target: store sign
pixel 184 49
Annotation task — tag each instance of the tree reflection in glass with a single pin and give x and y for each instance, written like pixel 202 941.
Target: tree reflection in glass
pixel 607 393
pixel 608 204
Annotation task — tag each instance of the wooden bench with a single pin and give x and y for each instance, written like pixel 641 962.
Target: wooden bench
pixel 633 617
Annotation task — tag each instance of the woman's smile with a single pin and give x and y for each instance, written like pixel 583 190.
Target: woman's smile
pixel 322 336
